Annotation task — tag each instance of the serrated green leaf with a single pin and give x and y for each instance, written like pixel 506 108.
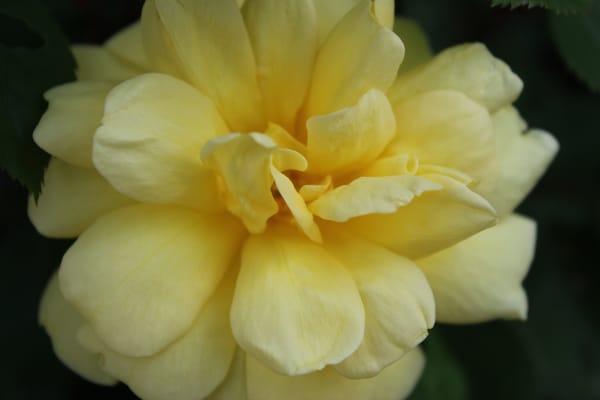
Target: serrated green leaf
pixel 34 56
pixel 559 6
pixel 578 41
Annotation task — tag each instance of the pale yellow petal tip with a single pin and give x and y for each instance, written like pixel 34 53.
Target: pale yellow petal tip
pixel 547 140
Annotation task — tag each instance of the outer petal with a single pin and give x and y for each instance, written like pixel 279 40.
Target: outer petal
pixel 62 322
pixel 353 137
pixel 95 63
pixel 480 278
pixel 295 306
pixel 202 33
pixel 341 77
pixel 141 274
pixel 393 383
pixel 234 385
pixel 74 113
pixel 149 144
pixel 434 221
pixel 418 50
pixel 71 200
pixel 371 195
pixel 330 12
pixel 468 68
pixel 190 368
pixel 284 38
pixel 447 128
pixel 399 305
pixel 128 45
pixel 523 159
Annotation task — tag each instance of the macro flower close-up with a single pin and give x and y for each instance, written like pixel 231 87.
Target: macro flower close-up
pixel 279 199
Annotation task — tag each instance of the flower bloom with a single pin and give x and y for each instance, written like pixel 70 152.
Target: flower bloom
pixel 270 204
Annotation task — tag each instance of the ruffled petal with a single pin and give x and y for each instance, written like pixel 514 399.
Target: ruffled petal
pixel 95 63
pixel 128 45
pixel 418 49
pixel 523 157
pixel 352 137
pixel 480 278
pixel 434 221
pixel 399 305
pixel 149 144
pixel 295 306
pixel 284 38
pixel 341 77
pixel 394 383
pixel 371 195
pixel 468 68
pixel 189 369
pixel 141 274
pixel 72 199
pixel 200 37
pixel 62 322
pixel 67 128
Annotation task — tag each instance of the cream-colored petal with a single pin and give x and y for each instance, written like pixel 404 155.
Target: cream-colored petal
pixel 432 222
pixel 342 76
pixel 234 385
pixel 468 68
pixel 351 138
pixel 72 199
pixel 399 305
pixel 67 128
pixel 95 63
pixel 212 47
pixel 62 322
pixel 330 12
pixel 480 278
pixel 189 369
pixel 149 144
pixel 523 157
pixel 394 383
pixel 284 38
pixel 128 45
pixel 371 195
pixel 141 274
pixel 446 128
pixel 295 306
pixel 418 49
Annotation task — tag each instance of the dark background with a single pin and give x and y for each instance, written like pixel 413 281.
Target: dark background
pixel 554 355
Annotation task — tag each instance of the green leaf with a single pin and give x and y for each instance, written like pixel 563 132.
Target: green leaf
pixel 578 41
pixel 34 56
pixel 559 6
pixel 443 376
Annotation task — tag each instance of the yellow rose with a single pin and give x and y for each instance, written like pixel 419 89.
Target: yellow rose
pixel 268 206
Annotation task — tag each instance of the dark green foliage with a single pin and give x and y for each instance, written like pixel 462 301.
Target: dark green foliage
pixel 559 6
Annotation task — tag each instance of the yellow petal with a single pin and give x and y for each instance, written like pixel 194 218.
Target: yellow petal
pixel 330 12
pixel 312 191
pixel 202 33
pixel 470 69
pixel 418 50
pixel 396 164
pixel 149 144
pixel 480 278
pixel 95 63
pixel 128 45
pixel 370 195
pixel 72 199
pixel 446 128
pixel 523 157
pixel 62 322
pixel 141 274
pixel 434 221
pixel 189 369
pixel 341 76
pixel 284 38
pixel 234 385
pixel 399 305
pixel 67 128
pixel 352 137
pixel 393 383
pixel 295 306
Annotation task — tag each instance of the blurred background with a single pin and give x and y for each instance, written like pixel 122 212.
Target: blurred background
pixel 554 355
